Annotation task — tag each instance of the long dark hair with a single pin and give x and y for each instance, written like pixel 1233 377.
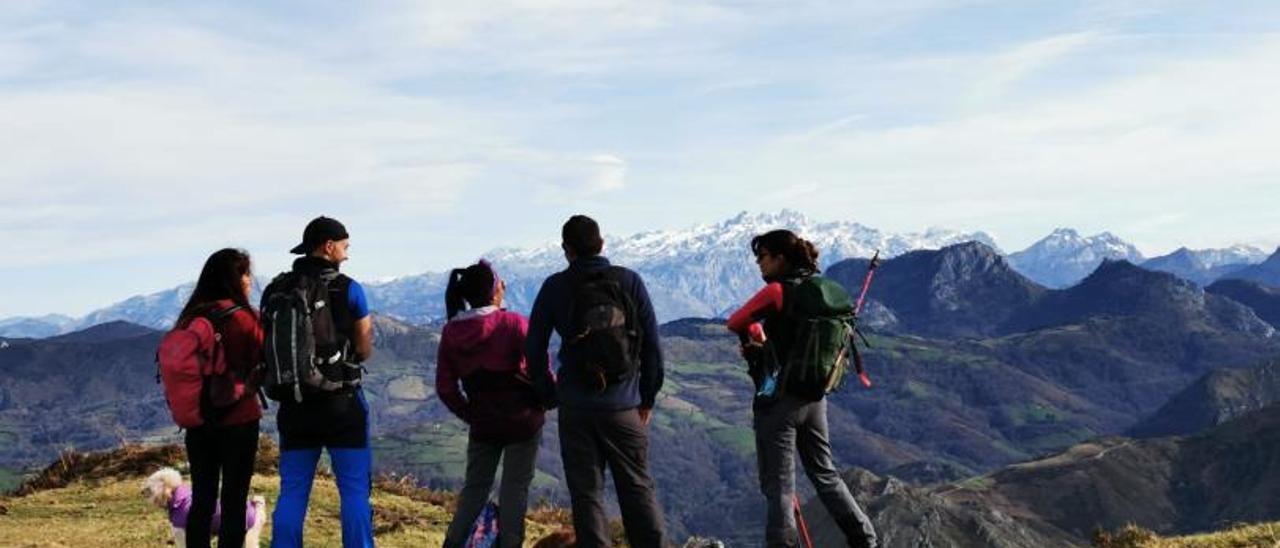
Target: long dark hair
pixel 799 252
pixel 474 285
pixel 219 279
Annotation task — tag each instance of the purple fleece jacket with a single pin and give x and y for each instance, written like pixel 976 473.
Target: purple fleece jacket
pixel 180 508
pixel 483 351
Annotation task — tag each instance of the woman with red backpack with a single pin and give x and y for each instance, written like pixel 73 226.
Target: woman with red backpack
pixel 482 349
pixel 792 416
pixel 225 443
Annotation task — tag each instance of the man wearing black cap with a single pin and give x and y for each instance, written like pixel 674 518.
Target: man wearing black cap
pixel 336 420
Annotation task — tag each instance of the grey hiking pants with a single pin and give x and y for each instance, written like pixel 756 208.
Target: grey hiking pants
pixel 783 428
pixel 513 493
pixel 591 440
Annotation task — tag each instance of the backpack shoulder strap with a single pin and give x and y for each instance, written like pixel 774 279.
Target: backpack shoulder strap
pixel 633 312
pixel 219 315
pixel 617 274
pixel 218 318
pixel 789 296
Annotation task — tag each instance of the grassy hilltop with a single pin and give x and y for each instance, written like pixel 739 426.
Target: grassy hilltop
pixel 95 500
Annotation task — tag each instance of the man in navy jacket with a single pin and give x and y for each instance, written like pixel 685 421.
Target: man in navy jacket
pixel 599 427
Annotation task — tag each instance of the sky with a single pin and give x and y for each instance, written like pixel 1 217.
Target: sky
pixel 139 137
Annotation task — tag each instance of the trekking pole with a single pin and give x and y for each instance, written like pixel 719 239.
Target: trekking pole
pixel 804 527
pixel 857 309
pixel 866 282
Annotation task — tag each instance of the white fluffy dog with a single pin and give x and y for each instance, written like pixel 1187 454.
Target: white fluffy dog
pixel 166 484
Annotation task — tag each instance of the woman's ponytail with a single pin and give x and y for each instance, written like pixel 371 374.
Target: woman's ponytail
pixel 475 286
pixel 810 254
pixel 454 301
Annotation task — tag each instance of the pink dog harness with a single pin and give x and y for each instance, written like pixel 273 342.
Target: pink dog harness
pixel 180 507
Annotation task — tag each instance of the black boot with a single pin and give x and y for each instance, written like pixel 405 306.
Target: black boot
pixel 857 530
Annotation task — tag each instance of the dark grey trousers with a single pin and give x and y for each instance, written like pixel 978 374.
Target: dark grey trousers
pixel 591 440
pixel 783 428
pixel 518 461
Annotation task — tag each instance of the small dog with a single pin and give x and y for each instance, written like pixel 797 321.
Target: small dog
pixel 165 489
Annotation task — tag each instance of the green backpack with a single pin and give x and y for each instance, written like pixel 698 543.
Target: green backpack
pixel 821 315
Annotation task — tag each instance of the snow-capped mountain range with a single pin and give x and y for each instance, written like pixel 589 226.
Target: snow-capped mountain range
pixel 697 271
pixel 704 270
pixel 1065 257
pixel 1205 266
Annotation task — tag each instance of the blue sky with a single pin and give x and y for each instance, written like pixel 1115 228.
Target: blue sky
pixel 140 137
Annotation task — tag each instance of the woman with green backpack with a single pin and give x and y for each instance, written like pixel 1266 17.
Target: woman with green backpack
pixel 794 334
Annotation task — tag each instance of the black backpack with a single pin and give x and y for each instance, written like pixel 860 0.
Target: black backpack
pixel 301 347
pixel 605 337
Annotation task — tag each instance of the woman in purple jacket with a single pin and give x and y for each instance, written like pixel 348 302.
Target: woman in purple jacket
pixel 482 349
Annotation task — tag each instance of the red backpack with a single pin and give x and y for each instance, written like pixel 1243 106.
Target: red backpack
pixel 198 385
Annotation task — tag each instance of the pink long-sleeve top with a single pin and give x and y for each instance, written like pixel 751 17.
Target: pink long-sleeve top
pixel 482 376
pixel 746 320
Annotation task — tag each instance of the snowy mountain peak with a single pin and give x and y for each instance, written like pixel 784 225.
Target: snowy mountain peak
pixel 731 237
pixel 1204 266
pixel 1236 254
pixel 1064 257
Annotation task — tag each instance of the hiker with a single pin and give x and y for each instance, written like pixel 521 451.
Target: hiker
pixel 609 376
pixel 792 416
pixel 225 448
pixel 482 347
pixel 328 410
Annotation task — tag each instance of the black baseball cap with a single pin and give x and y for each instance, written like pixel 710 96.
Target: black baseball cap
pixel 320 230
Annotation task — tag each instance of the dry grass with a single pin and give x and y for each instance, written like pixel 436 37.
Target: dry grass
pixel 1262 535
pixel 128 461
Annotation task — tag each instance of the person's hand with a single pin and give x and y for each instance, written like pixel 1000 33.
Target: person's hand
pixel 646 413
pixel 750 350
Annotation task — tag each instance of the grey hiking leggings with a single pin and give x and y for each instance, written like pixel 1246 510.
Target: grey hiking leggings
pixel 783 428
pixel 513 493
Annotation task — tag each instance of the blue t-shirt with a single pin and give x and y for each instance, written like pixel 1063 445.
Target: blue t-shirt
pixel 356 301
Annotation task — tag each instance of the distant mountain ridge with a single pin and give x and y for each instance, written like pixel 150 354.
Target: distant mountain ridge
pixel 962 290
pixel 969 290
pixel 37 327
pixel 1266 273
pixel 1205 266
pixel 1119 288
pixel 702 270
pixel 1263 299
pixel 706 270
pixel 1218 397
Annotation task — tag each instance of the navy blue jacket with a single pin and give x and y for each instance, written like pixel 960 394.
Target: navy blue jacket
pixel 551 311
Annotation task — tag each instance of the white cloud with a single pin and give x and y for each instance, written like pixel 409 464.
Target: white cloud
pixel 577 179
pixel 610 173
pixel 1007 69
